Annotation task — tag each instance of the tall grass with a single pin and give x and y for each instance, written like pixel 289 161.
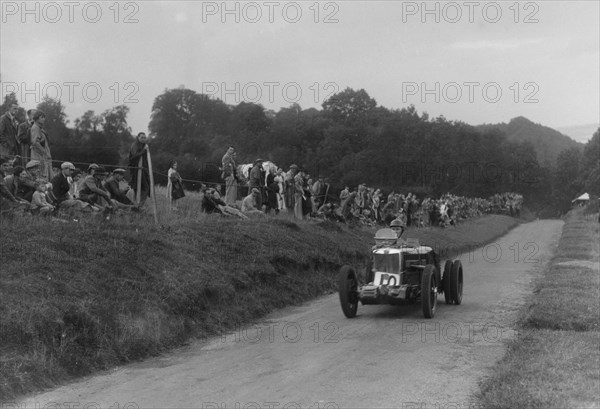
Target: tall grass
pixel 555 363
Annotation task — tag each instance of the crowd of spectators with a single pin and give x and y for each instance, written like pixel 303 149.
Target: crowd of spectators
pixel 28 183
pixel 271 190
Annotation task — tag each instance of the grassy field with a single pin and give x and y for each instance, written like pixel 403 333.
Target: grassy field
pixel 556 364
pixel 86 295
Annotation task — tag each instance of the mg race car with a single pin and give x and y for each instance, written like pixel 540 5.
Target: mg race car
pixel 400 272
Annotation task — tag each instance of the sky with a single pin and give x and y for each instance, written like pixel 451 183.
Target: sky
pixel 471 61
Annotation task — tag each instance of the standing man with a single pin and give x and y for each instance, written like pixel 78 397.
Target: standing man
pixel 139 149
pixel 8 132
pixel 24 136
pixel 254 181
pixel 344 194
pixel 298 195
pixel 230 176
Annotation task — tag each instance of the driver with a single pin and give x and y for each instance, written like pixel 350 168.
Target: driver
pixel 398 226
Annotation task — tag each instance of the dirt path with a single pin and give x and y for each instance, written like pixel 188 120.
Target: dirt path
pixel 311 356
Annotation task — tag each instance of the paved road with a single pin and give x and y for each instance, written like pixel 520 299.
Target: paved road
pixel 311 356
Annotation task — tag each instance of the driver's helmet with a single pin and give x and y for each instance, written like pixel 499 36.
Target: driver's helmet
pixel 398 226
pixel 385 237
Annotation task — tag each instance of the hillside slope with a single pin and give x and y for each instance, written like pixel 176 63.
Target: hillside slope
pixel 547 142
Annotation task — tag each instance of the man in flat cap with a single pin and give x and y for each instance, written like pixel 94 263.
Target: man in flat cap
pixel 61 185
pixel 118 195
pixel 92 190
pixel 27 181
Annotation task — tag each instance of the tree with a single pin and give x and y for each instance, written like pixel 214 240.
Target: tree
pixel 349 107
pixel 183 119
pixel 10 99
pixel 88 123
pixel 249 126
pixel 566 178
pixel 589 177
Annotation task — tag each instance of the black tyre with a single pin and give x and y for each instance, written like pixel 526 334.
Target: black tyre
pixel 348 289
pixel 429 291
pixel 456 282
pixel 369 274
pixel 446 282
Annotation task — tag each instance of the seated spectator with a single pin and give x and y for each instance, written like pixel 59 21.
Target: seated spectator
pixel 61 188
pixel 210 203
pixel 74 181
pixel 12 181
pixel 92 191
pixel 39 202
pixel 249 203
pixel 8 201
pixel 26 182
pixel 119 196
pixel 329 212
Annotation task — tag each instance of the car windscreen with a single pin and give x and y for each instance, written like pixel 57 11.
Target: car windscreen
pixel 388 263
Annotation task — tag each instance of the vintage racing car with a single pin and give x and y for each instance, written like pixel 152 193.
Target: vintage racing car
pixel 400 272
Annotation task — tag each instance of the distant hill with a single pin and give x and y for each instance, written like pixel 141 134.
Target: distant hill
pixel 580 133
pixel 547 142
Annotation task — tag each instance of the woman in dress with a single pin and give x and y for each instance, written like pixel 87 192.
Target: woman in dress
pixel 40 146
pixel 174 185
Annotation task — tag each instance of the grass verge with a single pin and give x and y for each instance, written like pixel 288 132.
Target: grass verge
pixel 82 296
pixel 556 364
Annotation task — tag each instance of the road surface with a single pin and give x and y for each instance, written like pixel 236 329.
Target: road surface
pixel 312 356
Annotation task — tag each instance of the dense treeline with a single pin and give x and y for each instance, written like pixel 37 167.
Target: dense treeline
pixel 351 140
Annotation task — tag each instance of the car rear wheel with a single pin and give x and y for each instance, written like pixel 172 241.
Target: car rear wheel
pixel 348 289
pixel 446 281
pixel 456 282
pixel 428 291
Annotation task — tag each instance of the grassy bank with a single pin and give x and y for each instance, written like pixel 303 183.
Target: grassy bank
pixel 556 362
pixel 76 297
